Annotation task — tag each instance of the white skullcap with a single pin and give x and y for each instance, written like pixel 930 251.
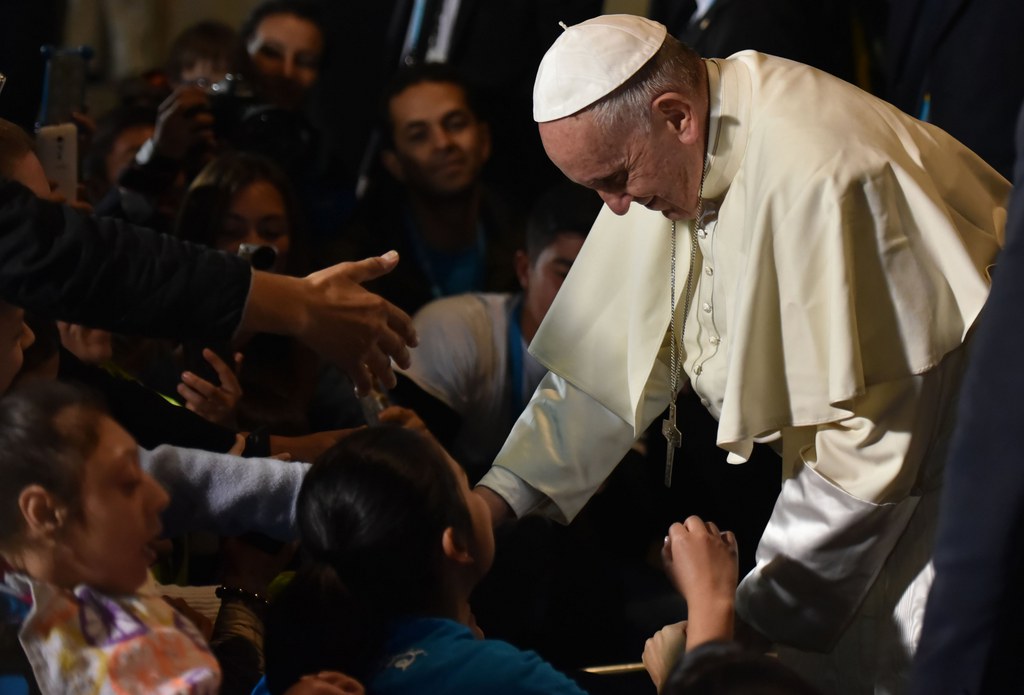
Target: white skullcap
pixel 590 60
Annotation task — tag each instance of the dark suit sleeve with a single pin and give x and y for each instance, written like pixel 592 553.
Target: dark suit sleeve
pixel 105 273
pixel 971 635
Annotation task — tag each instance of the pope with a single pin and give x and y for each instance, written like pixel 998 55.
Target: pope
pixel 812 260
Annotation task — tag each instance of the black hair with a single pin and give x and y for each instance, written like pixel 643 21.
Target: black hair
pixel 47 431
pixel 371 514
pixel 304 9
pixel 727 669
pixel 565 208
pixel 206 40
pixel 201 216
pixel 420 73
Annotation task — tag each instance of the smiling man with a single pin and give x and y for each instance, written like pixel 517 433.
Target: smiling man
pixel 455 234
pixel 811 260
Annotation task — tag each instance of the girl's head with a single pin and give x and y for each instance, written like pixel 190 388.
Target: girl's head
pixel 75 507
pixel 394 530
pixel 242 198
pixel 392 513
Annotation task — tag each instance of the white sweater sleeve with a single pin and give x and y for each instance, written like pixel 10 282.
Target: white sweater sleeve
pixel 226 494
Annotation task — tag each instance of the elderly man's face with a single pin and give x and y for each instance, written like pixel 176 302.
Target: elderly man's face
pixel 655 170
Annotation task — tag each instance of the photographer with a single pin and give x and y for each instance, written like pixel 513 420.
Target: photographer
pixel 149 189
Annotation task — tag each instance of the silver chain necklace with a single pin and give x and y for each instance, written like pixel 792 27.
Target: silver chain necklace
pixel 673 436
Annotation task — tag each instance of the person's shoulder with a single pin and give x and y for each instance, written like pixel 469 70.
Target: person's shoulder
pixel 443 656
pixel 470 309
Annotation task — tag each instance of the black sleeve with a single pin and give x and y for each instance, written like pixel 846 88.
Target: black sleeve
pixel 108 274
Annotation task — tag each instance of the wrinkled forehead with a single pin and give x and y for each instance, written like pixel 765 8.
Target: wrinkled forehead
pixel 582 151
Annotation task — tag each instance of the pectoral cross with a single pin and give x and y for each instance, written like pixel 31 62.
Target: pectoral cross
pixel 673 438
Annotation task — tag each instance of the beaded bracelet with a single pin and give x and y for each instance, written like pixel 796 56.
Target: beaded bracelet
pixel 223 592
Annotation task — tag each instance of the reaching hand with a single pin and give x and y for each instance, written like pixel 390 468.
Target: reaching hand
pixel 91 345
pixel 662 651
pixel 703 564
pixel 211 402
pixel 700 560
pixel 184 121
pixel 356 329
pixel 404 417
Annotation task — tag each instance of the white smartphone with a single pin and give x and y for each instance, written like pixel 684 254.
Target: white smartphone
pixel 57 149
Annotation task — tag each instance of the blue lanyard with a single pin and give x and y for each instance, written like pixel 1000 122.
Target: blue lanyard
pixel 423 256
pixel 517 399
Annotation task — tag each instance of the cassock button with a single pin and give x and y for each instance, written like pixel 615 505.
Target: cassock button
pixel 702 233
pixel 715 340
pixel 709 271
pixel 707 308
pixel 698 369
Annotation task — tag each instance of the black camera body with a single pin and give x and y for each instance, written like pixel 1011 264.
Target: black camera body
pixel 245 122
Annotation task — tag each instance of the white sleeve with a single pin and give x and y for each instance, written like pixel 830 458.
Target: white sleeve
pixel 226 494
pixel 858 482
pixel 559 452
pixel 454 337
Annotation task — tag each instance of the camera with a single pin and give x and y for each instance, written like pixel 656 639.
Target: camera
pixel 261 256
pixel 246 122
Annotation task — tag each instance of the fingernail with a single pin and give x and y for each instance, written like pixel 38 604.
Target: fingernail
pixel 666 540
pixel 390 255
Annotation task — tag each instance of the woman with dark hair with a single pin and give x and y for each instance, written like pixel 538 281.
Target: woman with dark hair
pixel 242 203
pixel 242 198
pixel 397 543
pixel 284 42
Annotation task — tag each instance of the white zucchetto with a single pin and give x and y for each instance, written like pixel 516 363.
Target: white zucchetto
pixel 590 60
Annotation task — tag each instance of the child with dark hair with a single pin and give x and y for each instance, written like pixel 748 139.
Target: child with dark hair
pixel 203 53
pixel 398 542
pixel 77 520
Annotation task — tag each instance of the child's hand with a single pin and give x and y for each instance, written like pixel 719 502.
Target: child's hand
pixel 662 651
pixel 214 403
pixel 702 562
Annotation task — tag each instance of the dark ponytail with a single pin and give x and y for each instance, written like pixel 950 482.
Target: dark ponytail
pixel 371 515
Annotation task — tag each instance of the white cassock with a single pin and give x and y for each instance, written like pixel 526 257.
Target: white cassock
pixel 844 258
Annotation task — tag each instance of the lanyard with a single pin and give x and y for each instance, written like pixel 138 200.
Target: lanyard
pixel 423 255
pixel 517 399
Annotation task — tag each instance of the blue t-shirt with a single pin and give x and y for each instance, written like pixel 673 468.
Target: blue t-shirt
pixel 440 656
pixel 443 657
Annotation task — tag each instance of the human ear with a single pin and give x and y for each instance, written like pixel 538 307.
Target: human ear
pixel 42 513
pixel 676 111
pixel 522 266
pixel 390 161
pixel 454 549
